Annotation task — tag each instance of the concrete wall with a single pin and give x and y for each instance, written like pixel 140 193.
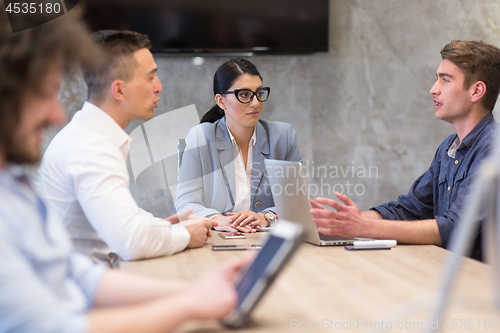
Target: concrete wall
pixel 364 106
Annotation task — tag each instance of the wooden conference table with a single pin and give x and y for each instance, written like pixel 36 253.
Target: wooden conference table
pixel 333 290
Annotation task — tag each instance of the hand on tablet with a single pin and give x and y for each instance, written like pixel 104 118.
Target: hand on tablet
pixel 213 296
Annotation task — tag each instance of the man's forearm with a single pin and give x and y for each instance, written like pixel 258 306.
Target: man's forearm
pixel 373 214
pixel 162 315
pixel 139 289
pixel 406 232
pixel 210 297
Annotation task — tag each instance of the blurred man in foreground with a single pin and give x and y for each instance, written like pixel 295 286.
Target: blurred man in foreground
pixel 45 285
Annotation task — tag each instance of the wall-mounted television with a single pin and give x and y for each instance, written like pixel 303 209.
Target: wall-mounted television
pixel 185 27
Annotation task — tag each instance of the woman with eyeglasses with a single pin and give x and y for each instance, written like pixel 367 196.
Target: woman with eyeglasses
pixel 222 171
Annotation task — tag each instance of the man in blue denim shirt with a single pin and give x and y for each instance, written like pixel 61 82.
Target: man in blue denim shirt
pixel 465 93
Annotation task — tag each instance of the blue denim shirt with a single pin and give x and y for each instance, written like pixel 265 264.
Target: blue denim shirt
pixel 45 285
pixel 440 193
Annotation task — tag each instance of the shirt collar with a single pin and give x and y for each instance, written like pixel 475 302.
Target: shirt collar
pixel 15 170
pixel 253 139
pixel 472 136
pixel 110 127
pixel 12 175
pixel 455 145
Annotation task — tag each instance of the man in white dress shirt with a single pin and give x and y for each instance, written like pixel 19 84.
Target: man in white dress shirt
pixel 83 175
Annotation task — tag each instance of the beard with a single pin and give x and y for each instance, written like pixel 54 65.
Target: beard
pixel 18 149
pixel 18 154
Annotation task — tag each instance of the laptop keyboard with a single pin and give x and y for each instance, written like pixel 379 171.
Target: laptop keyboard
pixel 332 237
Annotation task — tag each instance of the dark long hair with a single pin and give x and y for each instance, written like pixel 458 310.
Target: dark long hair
pixel 224 78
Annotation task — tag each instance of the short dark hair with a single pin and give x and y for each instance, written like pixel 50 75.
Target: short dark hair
pixel 26 56
pixel 224 78
pixel 478 61
pixel 119 47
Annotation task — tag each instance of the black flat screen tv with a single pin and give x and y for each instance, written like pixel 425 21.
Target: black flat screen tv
pixel 218 26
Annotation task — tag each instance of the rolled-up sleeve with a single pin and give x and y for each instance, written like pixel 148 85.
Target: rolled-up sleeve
pixel 442 192
pixel 87 274
pixel 418 204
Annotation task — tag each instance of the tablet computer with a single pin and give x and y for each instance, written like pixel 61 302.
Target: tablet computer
pixel 255 279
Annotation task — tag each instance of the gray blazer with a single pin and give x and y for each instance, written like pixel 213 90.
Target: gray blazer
pixel 207 177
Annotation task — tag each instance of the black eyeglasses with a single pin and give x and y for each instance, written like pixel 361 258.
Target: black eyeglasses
pixel 245 96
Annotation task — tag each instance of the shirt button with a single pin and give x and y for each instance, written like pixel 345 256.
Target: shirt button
pixel 258 204
pixel 456 161
pixel 449 188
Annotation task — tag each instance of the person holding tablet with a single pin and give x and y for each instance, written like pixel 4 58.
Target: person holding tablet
pixel 222 171
pixel 45 284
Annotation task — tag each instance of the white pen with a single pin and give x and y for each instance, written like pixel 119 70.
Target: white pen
pixel 375 242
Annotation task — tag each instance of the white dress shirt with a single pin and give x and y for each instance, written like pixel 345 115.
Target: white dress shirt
pixel 243 177
pixel 84 178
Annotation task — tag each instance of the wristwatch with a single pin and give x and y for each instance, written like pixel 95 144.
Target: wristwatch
pixel 270 217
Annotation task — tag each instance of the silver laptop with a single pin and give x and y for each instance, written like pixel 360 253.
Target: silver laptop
pixel 291 198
